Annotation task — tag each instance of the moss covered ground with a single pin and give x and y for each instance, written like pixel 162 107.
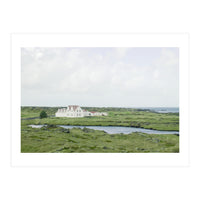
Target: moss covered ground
pixel 76 140
pixel 54 139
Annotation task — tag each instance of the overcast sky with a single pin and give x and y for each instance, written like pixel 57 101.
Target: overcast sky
pixel 116 77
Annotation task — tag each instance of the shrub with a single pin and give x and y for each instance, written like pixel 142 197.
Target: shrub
pixel 87 130
pixel 43 114
pixel 51 126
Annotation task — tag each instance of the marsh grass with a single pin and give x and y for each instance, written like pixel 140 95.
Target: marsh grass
pixel 116 117
pixel 53 139
pixel 57 140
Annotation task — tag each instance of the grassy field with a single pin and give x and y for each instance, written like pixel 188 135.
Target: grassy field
pixel 54 139
pixel 58 140
pixel 28 112
pixel 116 117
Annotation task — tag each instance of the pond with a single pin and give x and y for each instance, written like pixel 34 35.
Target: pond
pixel 115 129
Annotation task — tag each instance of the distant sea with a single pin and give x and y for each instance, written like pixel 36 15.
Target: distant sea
pixel 161 109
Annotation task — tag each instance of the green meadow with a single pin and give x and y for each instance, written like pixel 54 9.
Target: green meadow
pixel 116 117
pixel 55 139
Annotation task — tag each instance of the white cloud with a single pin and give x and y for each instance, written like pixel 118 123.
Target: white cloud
pixel 121 51
pixel 98 77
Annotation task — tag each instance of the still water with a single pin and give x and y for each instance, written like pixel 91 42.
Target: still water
pixel 115 129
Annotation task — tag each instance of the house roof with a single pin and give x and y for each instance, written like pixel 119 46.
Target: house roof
pixel 73 107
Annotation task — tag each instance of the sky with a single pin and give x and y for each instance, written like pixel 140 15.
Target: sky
pixel 101 77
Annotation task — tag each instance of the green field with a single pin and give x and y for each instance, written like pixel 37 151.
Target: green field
pixel 62 140
pixel 57 139
pixel 116 117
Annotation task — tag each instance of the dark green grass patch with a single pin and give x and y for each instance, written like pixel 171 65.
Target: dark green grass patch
pixel 56 140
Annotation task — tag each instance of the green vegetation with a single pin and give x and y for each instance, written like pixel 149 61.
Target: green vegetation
pixel 116 117
pixel 28 112
pixel 43 114
pixel 54 139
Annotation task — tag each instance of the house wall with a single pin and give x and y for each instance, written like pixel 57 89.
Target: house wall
pixel 87 113
pixel 67 112
pixel 78 112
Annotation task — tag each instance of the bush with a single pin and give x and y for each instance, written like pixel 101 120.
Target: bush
pixel 87 130
pixel 51 126
pixel 65 130
pixel 43 114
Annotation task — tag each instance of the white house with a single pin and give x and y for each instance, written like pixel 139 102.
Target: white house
pixel 71 111
pixel 76 111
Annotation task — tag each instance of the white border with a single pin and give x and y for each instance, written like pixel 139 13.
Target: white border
pixel 100 159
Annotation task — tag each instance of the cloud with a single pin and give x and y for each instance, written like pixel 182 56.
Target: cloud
pixel 121 51
pixel 99 76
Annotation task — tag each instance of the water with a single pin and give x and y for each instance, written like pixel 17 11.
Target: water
pixel 36 126
pixel 161 109
pixel 166 109
pixel 115 129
